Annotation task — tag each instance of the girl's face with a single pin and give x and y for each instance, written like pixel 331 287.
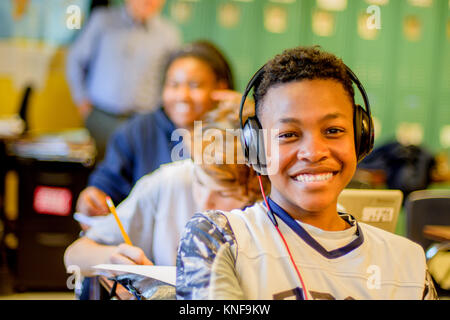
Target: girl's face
pixel 187 91
pixel 210 195
pixel 316 155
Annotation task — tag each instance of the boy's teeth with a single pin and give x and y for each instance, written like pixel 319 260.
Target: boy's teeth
pixel 314 177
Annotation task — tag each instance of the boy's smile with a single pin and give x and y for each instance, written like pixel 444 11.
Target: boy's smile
pixel 316 147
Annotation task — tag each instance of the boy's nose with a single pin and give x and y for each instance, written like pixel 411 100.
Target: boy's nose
pixel 313 149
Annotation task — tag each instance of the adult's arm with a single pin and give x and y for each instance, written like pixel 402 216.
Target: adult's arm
pixel 80 54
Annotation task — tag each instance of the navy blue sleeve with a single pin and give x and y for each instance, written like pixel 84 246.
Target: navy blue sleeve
pixel 137 148
pixel 114 174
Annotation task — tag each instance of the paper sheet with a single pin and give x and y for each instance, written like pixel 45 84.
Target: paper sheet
pixel 88 220
pixel 163 273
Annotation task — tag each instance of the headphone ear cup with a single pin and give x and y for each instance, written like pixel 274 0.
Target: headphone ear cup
pixel 364 133
pixel 253 145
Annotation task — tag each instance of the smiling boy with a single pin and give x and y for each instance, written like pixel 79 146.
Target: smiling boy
pixel 309 251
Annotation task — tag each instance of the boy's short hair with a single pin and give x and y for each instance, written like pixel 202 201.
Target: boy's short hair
pixel 298 64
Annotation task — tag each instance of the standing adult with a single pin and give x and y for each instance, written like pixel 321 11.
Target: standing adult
pixel 114 66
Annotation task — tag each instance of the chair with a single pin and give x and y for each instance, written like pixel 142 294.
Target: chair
pixel 426 207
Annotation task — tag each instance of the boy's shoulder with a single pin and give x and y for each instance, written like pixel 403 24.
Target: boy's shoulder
pixel 225 222
pixel 247 218
pixel 245 214
pixel 388 238
pixel 395 246
pixel 178 173
pixel 179 166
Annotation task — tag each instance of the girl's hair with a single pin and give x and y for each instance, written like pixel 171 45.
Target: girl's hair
pixel 221 155
pixel 209 53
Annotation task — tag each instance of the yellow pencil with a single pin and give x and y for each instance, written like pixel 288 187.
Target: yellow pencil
pixel 112 208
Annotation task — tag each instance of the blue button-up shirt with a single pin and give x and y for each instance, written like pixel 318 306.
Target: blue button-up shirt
pixel 116 63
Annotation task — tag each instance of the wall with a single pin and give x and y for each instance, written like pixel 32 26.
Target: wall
pixel 406 73
pixel 405 65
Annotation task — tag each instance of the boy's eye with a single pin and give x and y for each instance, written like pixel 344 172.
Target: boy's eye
pixel 287 135
pixel 334 131
pixel 226 194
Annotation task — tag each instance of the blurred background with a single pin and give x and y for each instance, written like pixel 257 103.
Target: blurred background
pixel 402 57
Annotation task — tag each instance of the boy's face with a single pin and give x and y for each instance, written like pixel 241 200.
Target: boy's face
pixel 316 143
pixel 210 194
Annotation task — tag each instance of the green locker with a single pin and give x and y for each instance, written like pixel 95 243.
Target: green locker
pixel 369 55
pixel 282 25
pixel 404 66
pixel 235 30
pixel 327 27
pixel 439 133
pixel 193 17
pixel 410 98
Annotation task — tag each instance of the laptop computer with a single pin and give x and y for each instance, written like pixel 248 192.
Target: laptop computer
pixel 379 208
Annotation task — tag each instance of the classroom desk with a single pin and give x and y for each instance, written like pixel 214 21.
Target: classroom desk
pixel 121 292
pixel 437 233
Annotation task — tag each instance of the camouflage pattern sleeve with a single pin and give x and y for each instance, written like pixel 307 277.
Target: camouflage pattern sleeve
pixel 429 292
pixel 145 288
pixel 207 245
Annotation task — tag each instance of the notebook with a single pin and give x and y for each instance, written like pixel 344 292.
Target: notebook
pixel 163 273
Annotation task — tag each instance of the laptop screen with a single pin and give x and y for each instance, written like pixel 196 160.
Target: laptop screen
pixel 379 208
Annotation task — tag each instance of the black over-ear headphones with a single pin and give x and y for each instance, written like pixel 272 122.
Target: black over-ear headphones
pixel 252 137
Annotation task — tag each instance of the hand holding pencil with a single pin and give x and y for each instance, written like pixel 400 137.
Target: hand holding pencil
pixel 112 208
pixel 127 253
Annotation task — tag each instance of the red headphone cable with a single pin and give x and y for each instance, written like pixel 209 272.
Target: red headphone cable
pixel 305 296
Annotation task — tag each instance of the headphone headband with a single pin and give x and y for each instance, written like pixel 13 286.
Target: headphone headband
pixel 361 89
pixel 256 77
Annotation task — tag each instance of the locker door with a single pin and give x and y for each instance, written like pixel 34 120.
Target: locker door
pixel 439 125
pixel 235 30
pixel 327 23
pixel 410 98
pixel 281 26
pixel 370 57
pixel 194 18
